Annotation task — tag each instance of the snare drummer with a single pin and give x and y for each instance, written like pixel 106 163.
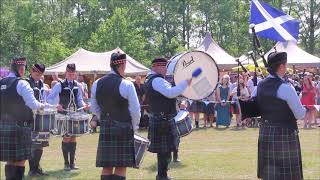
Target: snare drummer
pixel 16 96
pixel 40 91
pixel 114 100
pixel 162 101
pixel 70 98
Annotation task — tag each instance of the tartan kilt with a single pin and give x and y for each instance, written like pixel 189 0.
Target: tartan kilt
pixel 279 153
pixel 210 108
pixel 197 107
pixel 163 135
pixel 115 146
pixel 15 141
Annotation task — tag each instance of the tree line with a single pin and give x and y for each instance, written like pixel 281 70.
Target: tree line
pixel 47 31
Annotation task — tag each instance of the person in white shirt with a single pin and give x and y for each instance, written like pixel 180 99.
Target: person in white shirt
pixel 244 95
pixel 115 102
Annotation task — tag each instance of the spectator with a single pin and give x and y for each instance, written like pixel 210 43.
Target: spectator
pixel 223 107
pixel 308 99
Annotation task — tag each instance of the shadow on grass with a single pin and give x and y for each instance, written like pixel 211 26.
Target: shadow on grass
pixel 173 165
pixel 237 129
pixel 177 165
pixel 56 174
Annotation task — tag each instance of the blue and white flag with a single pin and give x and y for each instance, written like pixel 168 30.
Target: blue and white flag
pixel 272 23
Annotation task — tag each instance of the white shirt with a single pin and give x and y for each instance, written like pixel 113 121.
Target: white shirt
pixel 56 90
pixel 287 93
pixel 250 84
pixel 165 88
pixel 127 91
pixel 26 92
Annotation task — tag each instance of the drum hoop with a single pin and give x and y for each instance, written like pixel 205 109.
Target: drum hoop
pixel 143 142
pixel 174 69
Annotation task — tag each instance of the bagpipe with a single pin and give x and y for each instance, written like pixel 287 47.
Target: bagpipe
pixel 250 108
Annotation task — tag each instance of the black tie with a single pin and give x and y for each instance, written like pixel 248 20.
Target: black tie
pixel 70 85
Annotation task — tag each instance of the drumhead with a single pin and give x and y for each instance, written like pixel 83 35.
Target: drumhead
pixel 184 64
pixel 140 138
pixel 181 115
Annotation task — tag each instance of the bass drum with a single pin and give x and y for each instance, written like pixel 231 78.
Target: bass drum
pixel 181 66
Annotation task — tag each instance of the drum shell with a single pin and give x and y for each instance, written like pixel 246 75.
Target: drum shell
pixel 77 124
pixel 141 145
pixel 44 122
pixel 184 126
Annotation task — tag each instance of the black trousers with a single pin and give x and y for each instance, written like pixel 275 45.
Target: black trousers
pixel 163 162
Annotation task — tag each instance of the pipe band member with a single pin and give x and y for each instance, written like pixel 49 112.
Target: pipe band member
pixel 162 101
pixel 15 128
pixel 40 93
pixel 115 102
pixel 70 98
pixel 279 153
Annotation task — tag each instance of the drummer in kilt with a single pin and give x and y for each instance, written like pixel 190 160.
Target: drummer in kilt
pixel 17 102
pixel 114 100
pixel 279 153
pixel 162 101
pixel 36 84
pixel 70 98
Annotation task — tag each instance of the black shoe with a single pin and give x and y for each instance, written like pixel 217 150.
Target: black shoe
pixel 74 167
pixel 40 172
pixel 33 174
pixel 67 167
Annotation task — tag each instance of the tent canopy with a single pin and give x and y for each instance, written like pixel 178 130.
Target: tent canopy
pixel 88 62
pixel 222 58
pixel 296 56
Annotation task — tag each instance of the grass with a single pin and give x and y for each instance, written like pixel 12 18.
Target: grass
pixel 207 153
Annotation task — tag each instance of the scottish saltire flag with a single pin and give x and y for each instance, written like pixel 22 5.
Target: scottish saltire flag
pixel 272 23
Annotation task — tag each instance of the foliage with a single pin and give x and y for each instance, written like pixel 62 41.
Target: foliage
pixel 48 31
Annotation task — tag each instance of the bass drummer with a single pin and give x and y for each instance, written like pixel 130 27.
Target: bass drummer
pixel 115 102
pixel 162 101
pixel 70 98
pixel 40 92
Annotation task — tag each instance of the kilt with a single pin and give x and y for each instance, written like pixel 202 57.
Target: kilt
pixel 210 108
pixel 162 134
pixel 197 107
pixel 15 141
pixel 116 145
pixel 279 153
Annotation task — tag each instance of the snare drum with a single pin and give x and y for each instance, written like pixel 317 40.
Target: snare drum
pixel 183 123
pixel 77 124
pixel 181 67
pixel 40 137
pixel 141 145
pixel 61 123
pixel 44 120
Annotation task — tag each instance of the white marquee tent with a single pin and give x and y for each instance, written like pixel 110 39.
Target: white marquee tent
pixel 221 57
pixel 296 56
pixel 88 62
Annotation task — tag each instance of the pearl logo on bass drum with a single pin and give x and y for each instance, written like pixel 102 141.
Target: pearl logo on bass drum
pixel 187 63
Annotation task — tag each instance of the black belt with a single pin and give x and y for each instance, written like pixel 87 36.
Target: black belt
pixel 278 124
pixel 162 115
pixel 10 119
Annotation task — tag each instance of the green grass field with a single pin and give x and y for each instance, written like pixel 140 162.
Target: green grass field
pixel 207 153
